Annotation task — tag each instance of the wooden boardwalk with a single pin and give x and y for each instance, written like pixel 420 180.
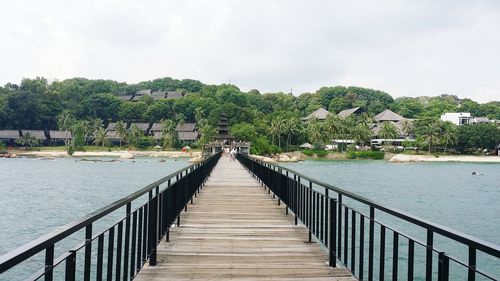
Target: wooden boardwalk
pixel 236 231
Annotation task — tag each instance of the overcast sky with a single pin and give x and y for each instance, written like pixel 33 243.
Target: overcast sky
pixel 406 48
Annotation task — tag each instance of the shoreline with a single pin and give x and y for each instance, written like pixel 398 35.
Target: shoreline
pixel 403 158
pixel 119 154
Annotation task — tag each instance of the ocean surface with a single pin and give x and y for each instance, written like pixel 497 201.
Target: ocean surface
pixel 38 196
pixel 444 193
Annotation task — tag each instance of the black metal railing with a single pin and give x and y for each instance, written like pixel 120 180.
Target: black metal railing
pixel 131 242
pixel 342 229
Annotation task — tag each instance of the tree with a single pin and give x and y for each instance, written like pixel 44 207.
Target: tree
pixel 388 131
pixel 100 138
pixel 121 131
pixel 134 134
pixel 168 134
pixel 276 129
pixel 27 140
pixel 449 135
pixel 362 133
pixel 207 132
pixel 66 121
pixel 315 129
pixel 243 132
pixel 431 133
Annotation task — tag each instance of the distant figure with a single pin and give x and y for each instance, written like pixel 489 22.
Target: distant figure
pixel 233 154
pixel 476 174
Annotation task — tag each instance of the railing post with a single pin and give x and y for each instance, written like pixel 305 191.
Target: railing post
pixel 296 192
pixel 333 232
pixel 370 243
pixel 428 255
pixel 152 231
pixel 443 267
pixel 88 252
pixel 49 263
pixel 127 241
pixel 70 267
pixel 471 276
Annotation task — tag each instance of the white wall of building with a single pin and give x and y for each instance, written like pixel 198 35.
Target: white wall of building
pixel 458 118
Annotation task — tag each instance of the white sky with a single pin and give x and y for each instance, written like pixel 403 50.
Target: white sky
pixel 407 48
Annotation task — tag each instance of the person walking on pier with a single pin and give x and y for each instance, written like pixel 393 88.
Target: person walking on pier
pixel 233 154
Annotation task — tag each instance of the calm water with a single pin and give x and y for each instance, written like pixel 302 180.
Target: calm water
pixel 37 195
pixel 445 193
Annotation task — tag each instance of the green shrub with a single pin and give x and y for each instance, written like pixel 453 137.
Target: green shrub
pixel 321 153
pixel 308 152
pixel 144 142
pixel 365 154
pixel 70 150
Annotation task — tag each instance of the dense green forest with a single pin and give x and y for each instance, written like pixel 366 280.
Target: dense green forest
pixel 37 104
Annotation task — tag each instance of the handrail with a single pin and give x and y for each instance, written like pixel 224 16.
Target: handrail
pixel 309 199
pixel 20 254
pixel 485 246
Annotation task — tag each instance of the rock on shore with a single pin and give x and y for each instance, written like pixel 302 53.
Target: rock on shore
pixel 403 158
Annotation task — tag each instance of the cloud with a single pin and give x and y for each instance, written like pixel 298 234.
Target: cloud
pixel 403 47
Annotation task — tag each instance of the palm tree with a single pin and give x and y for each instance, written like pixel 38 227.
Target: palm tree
pixel 431 133
pixel 121 131
pixel 66 121
pixel 315 129
pixel 362 134
pixel 276 129
pixel 27 140
pixel 100 137
pixel 134 134
pixel 449 136
pixel 198 114
pixel 333 126
pixel 407 128
pixel 290 128
pixel 388 131
pixel 168 134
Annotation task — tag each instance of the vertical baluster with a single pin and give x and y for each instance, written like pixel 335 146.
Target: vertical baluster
pixel 127 241
pixel 353 241
pixel 296 201
pixel 70 267
pixel 139 241
pixel 327 199
pixel 339 228
pixel 411 257
pixel 111 247
pixel 100 250
pixel 316 216
pixel 346 233
pixel 119 238
pixel 428 256
pixel 361 246
pixel 443 267
pixel 395 255
pixel 310 210
pixel 49 263
pixel 471 275
pixel 322 219
pixel 88 252
pixel 382 253
pixel 333 232
pixel 133 245
pixel 152 230
pixel 370 243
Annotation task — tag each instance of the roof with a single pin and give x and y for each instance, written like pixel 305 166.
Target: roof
pixel 399 127
pixel 158 95
pixel 38 134
pixel 59 134
pixel 348 112
pixel 112 135
pixel 307 145
pixel 188 136
pixel 126 98
pixel 9 134
pixel 142 93
pixel 111 126
pixel 482 120
pixel 186 127
pixel 157 135
pixel 319 113
pixel 157 127
pixel 174 95
pixel 142 126
pixel 388 115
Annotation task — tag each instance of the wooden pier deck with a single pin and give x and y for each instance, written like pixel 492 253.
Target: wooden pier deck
pixel 236 231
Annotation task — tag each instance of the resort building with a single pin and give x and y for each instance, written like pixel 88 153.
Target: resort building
pixel 353 111
pixel 388 115
pixel 395 119
pixel 320 114
pixel 187 132
pixel 458 118
pixel 57 136
pixel 9 136
pixel 156 95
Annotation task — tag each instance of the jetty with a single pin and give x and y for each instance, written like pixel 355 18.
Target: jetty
pixel 235 230
pixel 246 219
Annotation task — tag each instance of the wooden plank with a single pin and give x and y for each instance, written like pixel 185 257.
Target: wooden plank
pixel 235 230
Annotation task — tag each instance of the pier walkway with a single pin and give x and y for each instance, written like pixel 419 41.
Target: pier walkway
pixel 236 230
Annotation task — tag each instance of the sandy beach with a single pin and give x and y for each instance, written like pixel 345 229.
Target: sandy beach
pixel 120 154
pixel 403 158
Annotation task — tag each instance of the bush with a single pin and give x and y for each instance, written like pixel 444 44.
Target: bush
pixel 365 154
pixel 321 153
pixel 308 152
pixel 71 150
pixel 145 142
